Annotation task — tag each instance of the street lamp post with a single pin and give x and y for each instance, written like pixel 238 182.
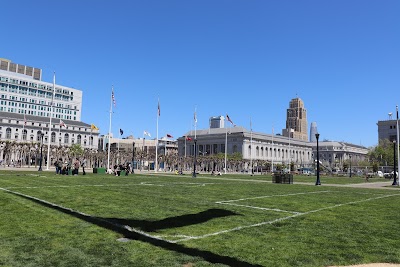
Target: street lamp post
pixel 350 165
pixel 41 152
pixel 195 159
pixel 318 182
pixel 133 157
pixel 394 163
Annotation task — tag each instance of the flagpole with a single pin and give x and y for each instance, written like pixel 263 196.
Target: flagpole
pixel 251 147
pixel 91 132
pixel 51 115
pixel 59 134
pixel 141 163
pixel 195 144
pixel 273 151
pixel 398 148
pixel 109 129
pixel 158 115
pixel 226 145
pixel 23 127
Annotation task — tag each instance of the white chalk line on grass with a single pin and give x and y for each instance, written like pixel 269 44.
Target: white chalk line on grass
pixel 281 219
pixel 258 208
pixel 126 227
pixel 269 196
pixel 109 185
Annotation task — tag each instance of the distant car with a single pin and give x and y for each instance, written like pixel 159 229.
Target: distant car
pixel 380 174
pixel 307 172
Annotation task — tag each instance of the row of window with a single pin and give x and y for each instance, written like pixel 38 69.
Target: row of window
pixel 34 101
pixel 22 105
pixel 44 125
pixel 12 81
pixel 66 137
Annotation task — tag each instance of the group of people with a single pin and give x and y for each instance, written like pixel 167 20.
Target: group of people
pixel 118 168
pixel 70 166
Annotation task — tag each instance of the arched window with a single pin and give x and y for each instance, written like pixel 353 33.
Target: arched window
pixel 66 139
pixel 249 151
pixel 53 137
pixel 79 139
pixel 257 151
pixel 8 133
pixel 262 152
pixel 91 141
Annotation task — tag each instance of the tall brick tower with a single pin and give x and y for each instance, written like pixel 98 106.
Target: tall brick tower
pixel 296 120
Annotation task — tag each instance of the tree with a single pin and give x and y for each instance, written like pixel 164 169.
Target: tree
pixel 76 150
pixel 382 153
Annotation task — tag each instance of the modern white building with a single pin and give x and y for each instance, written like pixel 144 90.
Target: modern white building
pixel 27 103
pixel 22 94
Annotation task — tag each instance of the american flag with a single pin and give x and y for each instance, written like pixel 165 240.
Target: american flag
pixel 229 119
pixel 62 124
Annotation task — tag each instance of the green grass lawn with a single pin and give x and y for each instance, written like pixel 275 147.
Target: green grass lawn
pixel 171 220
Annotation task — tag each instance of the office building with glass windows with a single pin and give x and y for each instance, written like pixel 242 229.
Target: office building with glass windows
pixel 27 103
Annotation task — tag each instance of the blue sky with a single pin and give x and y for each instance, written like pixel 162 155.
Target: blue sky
pixel 242 58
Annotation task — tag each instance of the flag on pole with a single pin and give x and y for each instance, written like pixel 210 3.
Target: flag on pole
pixel 62 124
pixel 121 132
pixel 158 108
pixel 94 127
pixel 229 119
pixel 169 136
pixel 146 133
pixel 188 138
pixel 113 97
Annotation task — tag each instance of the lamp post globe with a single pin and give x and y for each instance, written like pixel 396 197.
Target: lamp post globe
pixel 318 182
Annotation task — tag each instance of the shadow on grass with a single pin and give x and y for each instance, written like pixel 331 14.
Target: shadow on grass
pixel 173 222
pixel 118 228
